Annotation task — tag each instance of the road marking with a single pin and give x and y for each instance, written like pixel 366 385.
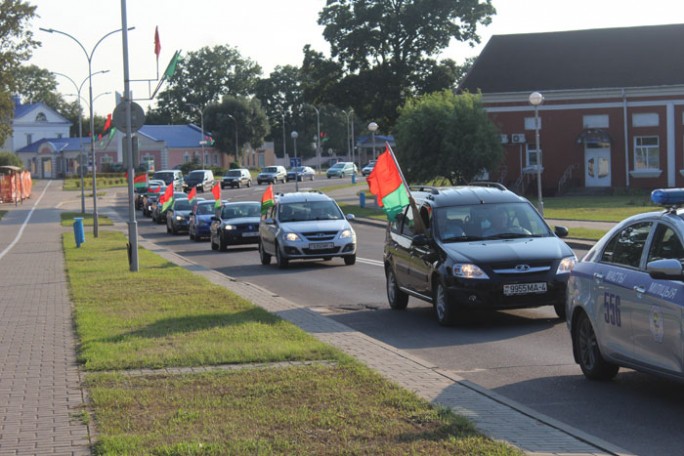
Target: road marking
pixel 28 217
pixel 370 262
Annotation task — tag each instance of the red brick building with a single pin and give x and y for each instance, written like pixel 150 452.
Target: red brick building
pixel 613 108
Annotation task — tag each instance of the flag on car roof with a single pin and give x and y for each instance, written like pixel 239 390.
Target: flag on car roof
pixel 216 191
pixel 387 184
pixel 167 198
pixel 267 200
pixel 141 179
pixel 192 194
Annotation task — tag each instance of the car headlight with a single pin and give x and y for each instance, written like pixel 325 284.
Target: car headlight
pixel 468 271
pixel 229 227
pixel 292 237
pixel 179 218
pixel 566 265
pixel 346 234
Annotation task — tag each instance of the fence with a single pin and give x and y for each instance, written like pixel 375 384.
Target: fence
pixel 15 187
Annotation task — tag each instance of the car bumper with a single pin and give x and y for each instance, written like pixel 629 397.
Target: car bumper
pixel 238 238
pixel 304 250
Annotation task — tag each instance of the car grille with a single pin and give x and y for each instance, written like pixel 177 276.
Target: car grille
pixel 321 251
pixel 521 267
pixel 320 235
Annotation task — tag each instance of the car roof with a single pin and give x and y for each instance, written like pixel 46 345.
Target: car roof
pixel 479 193
pixel 302 196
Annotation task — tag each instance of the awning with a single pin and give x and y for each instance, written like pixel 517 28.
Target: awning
pixel 596 136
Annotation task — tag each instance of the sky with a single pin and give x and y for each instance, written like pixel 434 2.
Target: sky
pixel 269 32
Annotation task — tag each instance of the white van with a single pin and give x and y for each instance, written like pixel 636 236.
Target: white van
pixel 203 179
pixel 170 176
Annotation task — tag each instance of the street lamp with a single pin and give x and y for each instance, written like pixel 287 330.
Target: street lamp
pixel 80 129
pixel 202 140
pixel 536 99
pixel 373 127
pixel 284 139
pixel 89 57
pixel 318 137
pixel 350 149
pixel 294 135
pixel 236 135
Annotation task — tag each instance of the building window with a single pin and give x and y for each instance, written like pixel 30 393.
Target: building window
pixel 646 152
pixel 532 155
pixel 106 159
pixel 40 117
pixel 649 119
pixel 529 123
pixel 29 138
pixel 596 121
pixel 186 157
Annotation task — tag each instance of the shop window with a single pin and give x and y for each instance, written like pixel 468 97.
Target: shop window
pixel 646 152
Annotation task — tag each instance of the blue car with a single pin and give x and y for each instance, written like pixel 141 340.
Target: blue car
pixel 625 297
pixel 235 224
pixel 200 220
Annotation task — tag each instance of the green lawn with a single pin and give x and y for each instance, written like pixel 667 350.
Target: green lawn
pixel 283 392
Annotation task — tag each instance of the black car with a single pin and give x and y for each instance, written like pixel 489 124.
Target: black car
pixel 235 224
pixel 178 216
pixel 157 211
pixel 476 247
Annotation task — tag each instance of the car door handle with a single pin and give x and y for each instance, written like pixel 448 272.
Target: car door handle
pixel 598 276
pixel 639 289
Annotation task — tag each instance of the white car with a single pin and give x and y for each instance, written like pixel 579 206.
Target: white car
pixel 272 174
pixel 625 297
pixel 306 225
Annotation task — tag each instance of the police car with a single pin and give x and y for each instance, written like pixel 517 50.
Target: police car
pixel 625 297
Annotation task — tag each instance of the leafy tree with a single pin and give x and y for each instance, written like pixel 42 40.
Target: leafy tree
pixel 38 85
pixel 203 78
pixel 252 123
pixel 385 48
pixel 16 44
pixel 10 159
pixel 448 136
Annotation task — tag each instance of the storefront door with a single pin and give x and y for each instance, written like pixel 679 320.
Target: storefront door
pixel 596 166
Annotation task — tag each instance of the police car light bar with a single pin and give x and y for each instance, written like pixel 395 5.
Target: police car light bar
pixel 668 196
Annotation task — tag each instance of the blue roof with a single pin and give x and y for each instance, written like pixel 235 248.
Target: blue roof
pixel 175 136
pixel 59 144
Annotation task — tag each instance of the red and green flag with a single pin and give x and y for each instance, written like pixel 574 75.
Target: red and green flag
pixel 192 194
pixel 167 198
pixel 216 191
pixel 267 200
pixel 387 184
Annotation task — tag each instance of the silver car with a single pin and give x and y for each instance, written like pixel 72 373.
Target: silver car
pixel 625 297
pixel 306 225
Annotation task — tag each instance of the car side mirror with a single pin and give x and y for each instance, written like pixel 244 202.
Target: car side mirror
pixel 269 221
pixel 350 217
pixel 420 240
pixel 669 269
pixel 561 231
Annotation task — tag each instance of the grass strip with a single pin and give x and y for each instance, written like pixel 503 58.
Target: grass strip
pixel 164 316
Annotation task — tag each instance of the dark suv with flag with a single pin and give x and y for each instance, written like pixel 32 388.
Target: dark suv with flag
pixel 476 247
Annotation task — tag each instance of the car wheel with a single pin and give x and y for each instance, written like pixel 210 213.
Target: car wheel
pixel 263 256
pixel 444 310
pixel 281 261
pixel 222 246
pixel 397 298
pixel 349 259
pixel 238 185
pixel 559 307
pixel 249 183
pixel 589 356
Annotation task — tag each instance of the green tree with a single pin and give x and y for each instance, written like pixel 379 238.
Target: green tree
pixel 385 48
pixel 447 136
pixel 16 45
pixel 10 159
pixel 203 77
pixel 38 85
pixel 252 123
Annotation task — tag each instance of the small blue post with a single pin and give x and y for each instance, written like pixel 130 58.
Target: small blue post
pixel 354 178
pixel 362 199
pixel 79 233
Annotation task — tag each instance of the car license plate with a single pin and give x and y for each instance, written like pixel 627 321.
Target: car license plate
pixel 524 288
pixel 321 246
pixel 250 234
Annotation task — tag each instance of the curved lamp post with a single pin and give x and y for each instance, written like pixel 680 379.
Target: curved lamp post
pixel 350 148
pixel 80 128
pixel 294 136
pixel 89 57
pixel 318 137
pixel 202 140
pixel 373 127
pixel 236 134
pixel 536 99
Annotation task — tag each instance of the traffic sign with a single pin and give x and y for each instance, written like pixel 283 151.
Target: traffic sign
pixel 296 161
pixel 137 117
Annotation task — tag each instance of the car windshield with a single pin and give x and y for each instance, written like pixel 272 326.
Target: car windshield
pixel 166 177
pixel 297 169
pixel 241 210
pixel 182 205
pixel 270 169
pixel 337 166
pixel 233 174
pixel 205 209
pixel 488 221
pixel 309 210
